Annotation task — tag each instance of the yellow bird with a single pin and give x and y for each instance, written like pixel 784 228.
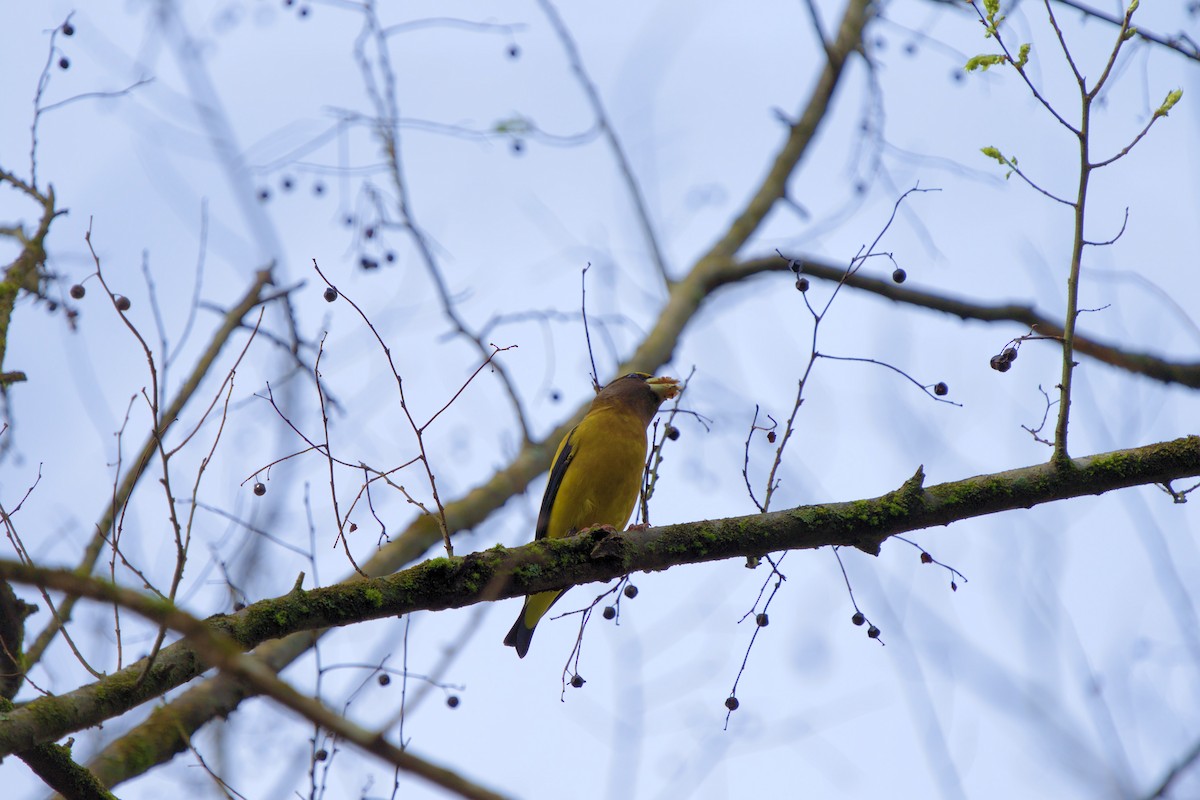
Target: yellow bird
pixel 596 475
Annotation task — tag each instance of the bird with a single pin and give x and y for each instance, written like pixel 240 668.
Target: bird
pixel 595 476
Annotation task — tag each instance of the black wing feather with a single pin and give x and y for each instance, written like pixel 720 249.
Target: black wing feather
pixel 556 477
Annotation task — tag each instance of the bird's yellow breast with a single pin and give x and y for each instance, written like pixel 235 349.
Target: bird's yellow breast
pixel 601 483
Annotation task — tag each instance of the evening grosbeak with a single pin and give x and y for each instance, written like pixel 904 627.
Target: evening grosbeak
pixel 596 475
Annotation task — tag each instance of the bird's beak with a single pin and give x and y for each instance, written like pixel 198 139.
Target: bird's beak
pixel 664 387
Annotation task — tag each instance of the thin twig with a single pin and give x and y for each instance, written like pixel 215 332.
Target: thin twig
pixel 120 499
pixel 387 115
pixel 614 144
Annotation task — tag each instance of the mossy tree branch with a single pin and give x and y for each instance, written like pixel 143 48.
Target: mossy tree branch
pixel 27 271
pixel 596 555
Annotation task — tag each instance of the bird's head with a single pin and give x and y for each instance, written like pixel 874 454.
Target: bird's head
pixel 639 391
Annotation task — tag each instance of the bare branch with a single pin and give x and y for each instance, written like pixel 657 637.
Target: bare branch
pixel 1142 363
pixel 1181 43
pixel 231 322
pixel 610 136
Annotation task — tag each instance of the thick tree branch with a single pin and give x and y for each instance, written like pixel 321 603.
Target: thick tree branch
pixel 54 764
pixel 594 556
pixel 214 646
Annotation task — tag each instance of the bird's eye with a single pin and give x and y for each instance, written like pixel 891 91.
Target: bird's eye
pixel 639 375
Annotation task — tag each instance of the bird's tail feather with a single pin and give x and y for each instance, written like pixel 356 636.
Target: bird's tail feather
pixel 521 633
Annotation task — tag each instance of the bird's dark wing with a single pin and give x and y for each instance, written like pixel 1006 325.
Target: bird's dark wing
pixel 557 471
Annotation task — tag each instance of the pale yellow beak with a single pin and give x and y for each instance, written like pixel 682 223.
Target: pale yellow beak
pixel 664 387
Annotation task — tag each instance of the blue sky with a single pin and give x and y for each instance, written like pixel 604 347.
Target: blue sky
pixel 1065 667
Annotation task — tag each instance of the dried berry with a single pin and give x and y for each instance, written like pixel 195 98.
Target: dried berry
pixel 260 489
pixel 873 632
pixel 631 591
pixel 762 620
pixel 384 679
pixel 899 275
pixel 732 703
pixel 330 294
pixel 858 618
pixel 802 284
pixel 771 437
pixel 610 612
pixel 926 558
pixel 122 303
pixel 77 291
pixel 577 681
pixel 672 433
pixel 452 701
pixel 941 389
